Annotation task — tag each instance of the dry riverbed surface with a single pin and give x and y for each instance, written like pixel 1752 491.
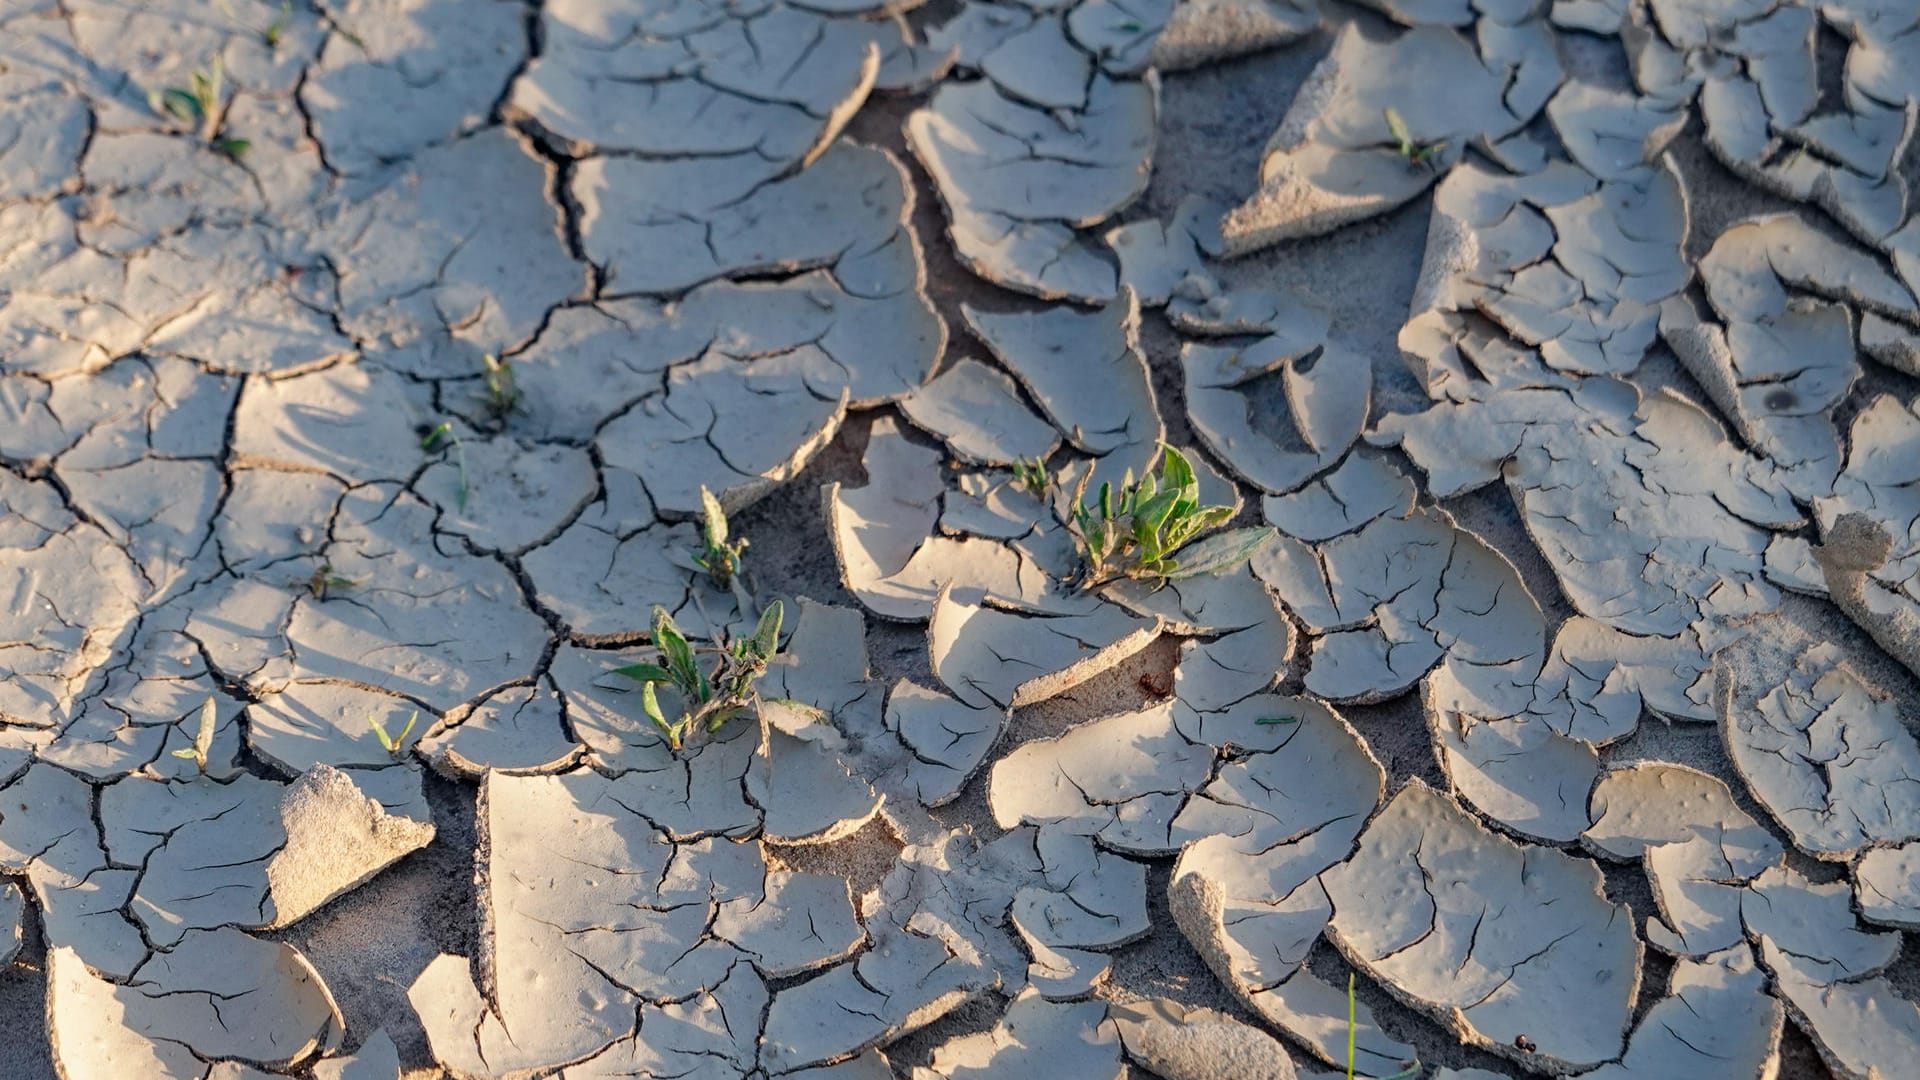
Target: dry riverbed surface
pixel 363 364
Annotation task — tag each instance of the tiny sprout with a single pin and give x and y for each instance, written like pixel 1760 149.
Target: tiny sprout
pixel 232 148
pixel 1278 720
pixel 324 580
pixel 720 559
pixel 277 29
pixel 1416 153
pixel 202 736
pixel 393 743
pixel 1410 1070
pixel 1031 475
pixel 708 698
pixel 502 388
pixel 201 103
pixel 1136 531
pixel 443 434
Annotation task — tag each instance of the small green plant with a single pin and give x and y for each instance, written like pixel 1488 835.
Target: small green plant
pixel 1412 1068
pixel 323 581
pixel 277 29
pixel 201 104
pixel 501 389
pixel 1416 152
pixel 1136 531
pixel 1031 475
pixel 442 434
pixel 202 736
pixel 719 558
pixel 393 743
pixel 708 698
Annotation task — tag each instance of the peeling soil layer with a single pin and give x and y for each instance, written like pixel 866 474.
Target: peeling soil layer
pixel 1541 698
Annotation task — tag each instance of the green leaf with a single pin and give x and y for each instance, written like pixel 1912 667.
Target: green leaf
pixel 1176 472
pixel 766 636
pixel 187 753
pixel 675 650
pixel 1153 513
pixel 715 527
pixel 1278 720
pixel 1106 500
pixel 180 104
pixel 650 701
pixel 1397 126
pixel 645 673
pixel 233 148
pixel 203 736
pixel 1223 551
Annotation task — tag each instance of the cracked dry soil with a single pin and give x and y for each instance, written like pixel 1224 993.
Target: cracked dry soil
pixel 1570 348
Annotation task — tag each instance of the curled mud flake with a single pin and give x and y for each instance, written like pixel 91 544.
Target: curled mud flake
pixel 1571 265
pixel 895 561
pixel 252 853
pixel 1716 1018
pixel 947 739
pixel 1122 778
pixel 1685 510
pixel 1886 886
pixel 1364 487
pixel 661 226
pixel 1335 160
pixel 217 994
pixel 376 1059
pixel 1822 750
pixel 13 913
pixel 977 411
pixel 1486 934
pixel 1086 372
pixel 1857 1027
pixel 1194 1044
pixel 521 729
pixel 1017 180
pixel 1869 555
pixel 401 75
pixel 740 433
pixel 643 77
pixel 636 927
pixel 931 921
pixel 1158 259
pixel 1035 1036
pixel 991 657
pixel 1202 32
pixel 1515 769
pixel 505 495
pixel 1814 925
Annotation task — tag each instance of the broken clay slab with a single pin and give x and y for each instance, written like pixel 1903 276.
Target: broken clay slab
pixel 1002 658
pixel 1487 935
pixel 216 994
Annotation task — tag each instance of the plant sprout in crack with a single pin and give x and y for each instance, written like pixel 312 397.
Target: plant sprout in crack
pixel 203 104
pixel 1412 1067
pixel 393 743
pixel 202 736
pixel 442 434
pixel 719 558
pixel 708 699
pixel 1136 531
pixel 1031 475
pixel 1417 153
pixel 500 388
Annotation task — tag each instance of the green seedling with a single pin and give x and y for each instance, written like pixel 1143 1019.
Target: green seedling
pixel 719 558
pixel 1416 152
pixel 442 434
pixel 277 29
pixel 1412 1067
pixel 709 698
pixel 1136 531
pixel 201 104
pixel 501 389
pixel 1031 475
pixel 393 743
pixel 324 580
pixel 202 736
pixel 1278 720
pixel 274 32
